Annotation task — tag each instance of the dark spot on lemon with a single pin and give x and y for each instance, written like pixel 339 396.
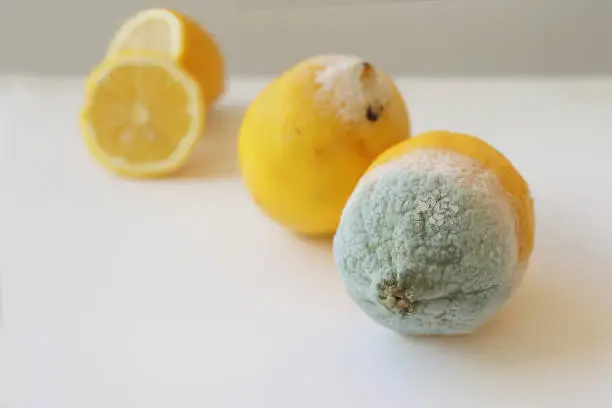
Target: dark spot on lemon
pixel 373 113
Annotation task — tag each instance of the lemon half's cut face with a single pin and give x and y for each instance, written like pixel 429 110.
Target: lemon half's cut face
pixel 142 114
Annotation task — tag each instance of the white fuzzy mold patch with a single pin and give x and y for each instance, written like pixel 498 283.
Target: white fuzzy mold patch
pixel 351 86
pixel 465 171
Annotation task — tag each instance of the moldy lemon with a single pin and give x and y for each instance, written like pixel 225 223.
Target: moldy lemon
pixel 436 236
pixel 310 135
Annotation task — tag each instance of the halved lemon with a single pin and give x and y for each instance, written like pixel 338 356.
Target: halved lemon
pixel 142 114
pixel 174 33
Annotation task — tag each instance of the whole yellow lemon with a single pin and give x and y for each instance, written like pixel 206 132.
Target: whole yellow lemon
pixel 309 136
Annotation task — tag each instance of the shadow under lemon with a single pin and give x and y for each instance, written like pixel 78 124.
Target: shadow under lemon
pixel 323 242
pixel 216 153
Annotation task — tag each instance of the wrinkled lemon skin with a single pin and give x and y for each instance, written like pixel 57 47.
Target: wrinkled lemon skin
pixel 300 159
pixel 514 185
pixel 437 235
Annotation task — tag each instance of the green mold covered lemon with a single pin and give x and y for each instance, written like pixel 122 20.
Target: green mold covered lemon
pixel 436 236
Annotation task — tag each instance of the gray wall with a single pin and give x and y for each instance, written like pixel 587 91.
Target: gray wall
pixel 419 37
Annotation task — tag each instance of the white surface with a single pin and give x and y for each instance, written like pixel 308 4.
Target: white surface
pixel 413 37
pixel 121 293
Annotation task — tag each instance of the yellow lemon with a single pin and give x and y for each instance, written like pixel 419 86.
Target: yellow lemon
pixel 309 136
pixel 175 34
pixel 142 115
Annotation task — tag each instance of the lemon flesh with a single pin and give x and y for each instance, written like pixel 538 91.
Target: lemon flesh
pixel 142 115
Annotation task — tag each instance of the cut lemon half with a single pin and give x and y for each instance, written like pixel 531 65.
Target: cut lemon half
pixel 173 33
pixel 142 115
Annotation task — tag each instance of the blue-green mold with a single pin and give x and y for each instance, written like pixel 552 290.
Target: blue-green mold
pixel 423 253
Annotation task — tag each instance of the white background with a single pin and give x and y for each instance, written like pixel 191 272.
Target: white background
pixel 416 37
pixel 179 292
